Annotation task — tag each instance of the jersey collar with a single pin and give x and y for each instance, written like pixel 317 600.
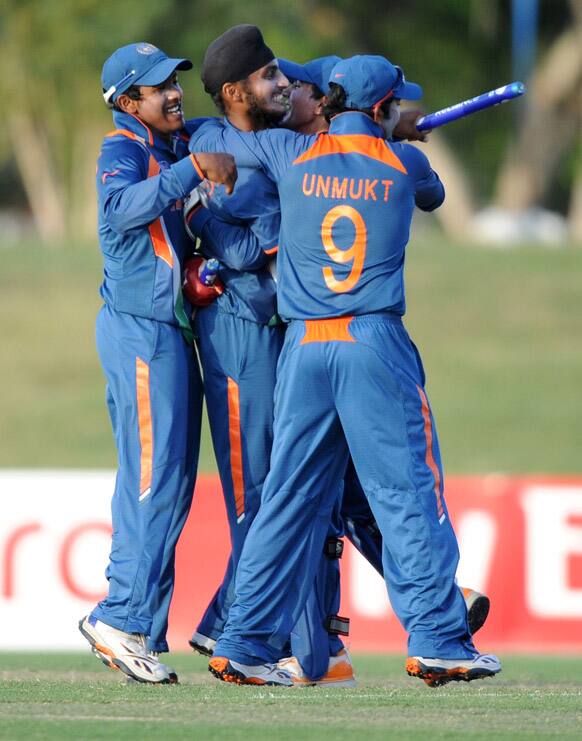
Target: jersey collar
pixel 137 126
pixel 354 122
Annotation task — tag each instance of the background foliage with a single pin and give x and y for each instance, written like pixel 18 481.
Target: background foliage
pixel 52 51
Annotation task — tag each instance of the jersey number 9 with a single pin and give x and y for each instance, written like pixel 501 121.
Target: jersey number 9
pixel 355 253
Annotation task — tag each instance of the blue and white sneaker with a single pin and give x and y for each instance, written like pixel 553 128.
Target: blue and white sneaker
pixel 436 672
pixel 126 652
pixel 257 675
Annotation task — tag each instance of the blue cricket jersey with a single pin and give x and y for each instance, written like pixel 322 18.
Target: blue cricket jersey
pixel 347 199
pixel 141 180
pixel 249 294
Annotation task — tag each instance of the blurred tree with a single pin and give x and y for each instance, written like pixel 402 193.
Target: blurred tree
pixel 52 52
pixel 551 123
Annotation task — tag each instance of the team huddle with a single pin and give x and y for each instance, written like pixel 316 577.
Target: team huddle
pixel 304 192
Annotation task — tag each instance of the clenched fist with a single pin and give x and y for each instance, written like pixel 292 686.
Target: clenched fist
pixel 218 168
pixel 406 127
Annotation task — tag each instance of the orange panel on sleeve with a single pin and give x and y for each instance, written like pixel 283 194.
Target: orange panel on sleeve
pixel 197 167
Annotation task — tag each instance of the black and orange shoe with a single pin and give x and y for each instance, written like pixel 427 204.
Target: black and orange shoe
pixel 477 608
pixel 436 672
pixel 258 674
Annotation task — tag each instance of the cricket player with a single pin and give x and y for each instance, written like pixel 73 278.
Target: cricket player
pixel 144 340
pixel 316 635
pixel 240 338
pixel 308 97
pixel 347 199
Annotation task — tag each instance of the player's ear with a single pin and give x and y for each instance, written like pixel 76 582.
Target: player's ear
pixel 232 92
pixel 126 104
pixel 319 107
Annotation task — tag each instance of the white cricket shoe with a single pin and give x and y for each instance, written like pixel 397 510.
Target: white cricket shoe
pixel 202 644
pixel 259 674
pixel 437 672
pixel 340 672
pixel 127 652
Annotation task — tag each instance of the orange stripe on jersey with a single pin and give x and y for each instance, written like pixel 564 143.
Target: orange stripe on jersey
pixel 369 146
pixel 234 434
pixel 144 418
pixel 146 127
pixel 430 461
pixel 161 247
pixel 197 167
pixel 127 133
pixel 272 251
pixel 327 330
pixel 153 167
pixel 160 244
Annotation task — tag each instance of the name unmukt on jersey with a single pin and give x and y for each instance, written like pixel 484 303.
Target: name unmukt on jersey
pixel 342 189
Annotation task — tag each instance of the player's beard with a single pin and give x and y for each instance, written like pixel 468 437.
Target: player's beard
pixel 261 118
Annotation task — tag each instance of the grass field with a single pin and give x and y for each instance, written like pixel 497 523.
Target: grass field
pixel 58 696
pixel 499 332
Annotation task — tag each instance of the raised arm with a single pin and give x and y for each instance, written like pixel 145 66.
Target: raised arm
pixel 429 192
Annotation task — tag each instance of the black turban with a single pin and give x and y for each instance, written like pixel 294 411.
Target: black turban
pixel 235 55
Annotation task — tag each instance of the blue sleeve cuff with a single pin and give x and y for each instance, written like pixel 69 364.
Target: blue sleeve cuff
pixel 187 174
pixel 198 220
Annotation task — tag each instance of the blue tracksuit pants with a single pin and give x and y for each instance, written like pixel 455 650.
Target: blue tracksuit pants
pixel 363 394
pixel 239 360
pixel 239 364
pixel 358 520
pixel 154 395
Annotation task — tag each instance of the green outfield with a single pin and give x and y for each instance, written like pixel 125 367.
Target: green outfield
pixel 57 696
pixel 499 332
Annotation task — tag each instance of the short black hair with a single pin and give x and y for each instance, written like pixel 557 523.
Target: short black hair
pixel 336 103
pixel 218 101
pixel 316 93
pixel 133 92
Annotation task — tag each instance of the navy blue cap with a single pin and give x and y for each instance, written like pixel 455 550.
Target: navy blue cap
pixel 137 64
pixel 316 72
pixel 370 80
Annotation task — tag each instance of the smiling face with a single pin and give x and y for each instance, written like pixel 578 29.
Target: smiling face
pixel 264 97
pixel 305 115
pixel 160 107
pixel 265 88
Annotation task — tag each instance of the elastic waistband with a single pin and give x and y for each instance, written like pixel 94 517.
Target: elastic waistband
pixel 390 316
pixel 338 328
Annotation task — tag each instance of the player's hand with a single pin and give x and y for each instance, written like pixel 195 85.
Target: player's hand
pixel 406 127
pixel 219 168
